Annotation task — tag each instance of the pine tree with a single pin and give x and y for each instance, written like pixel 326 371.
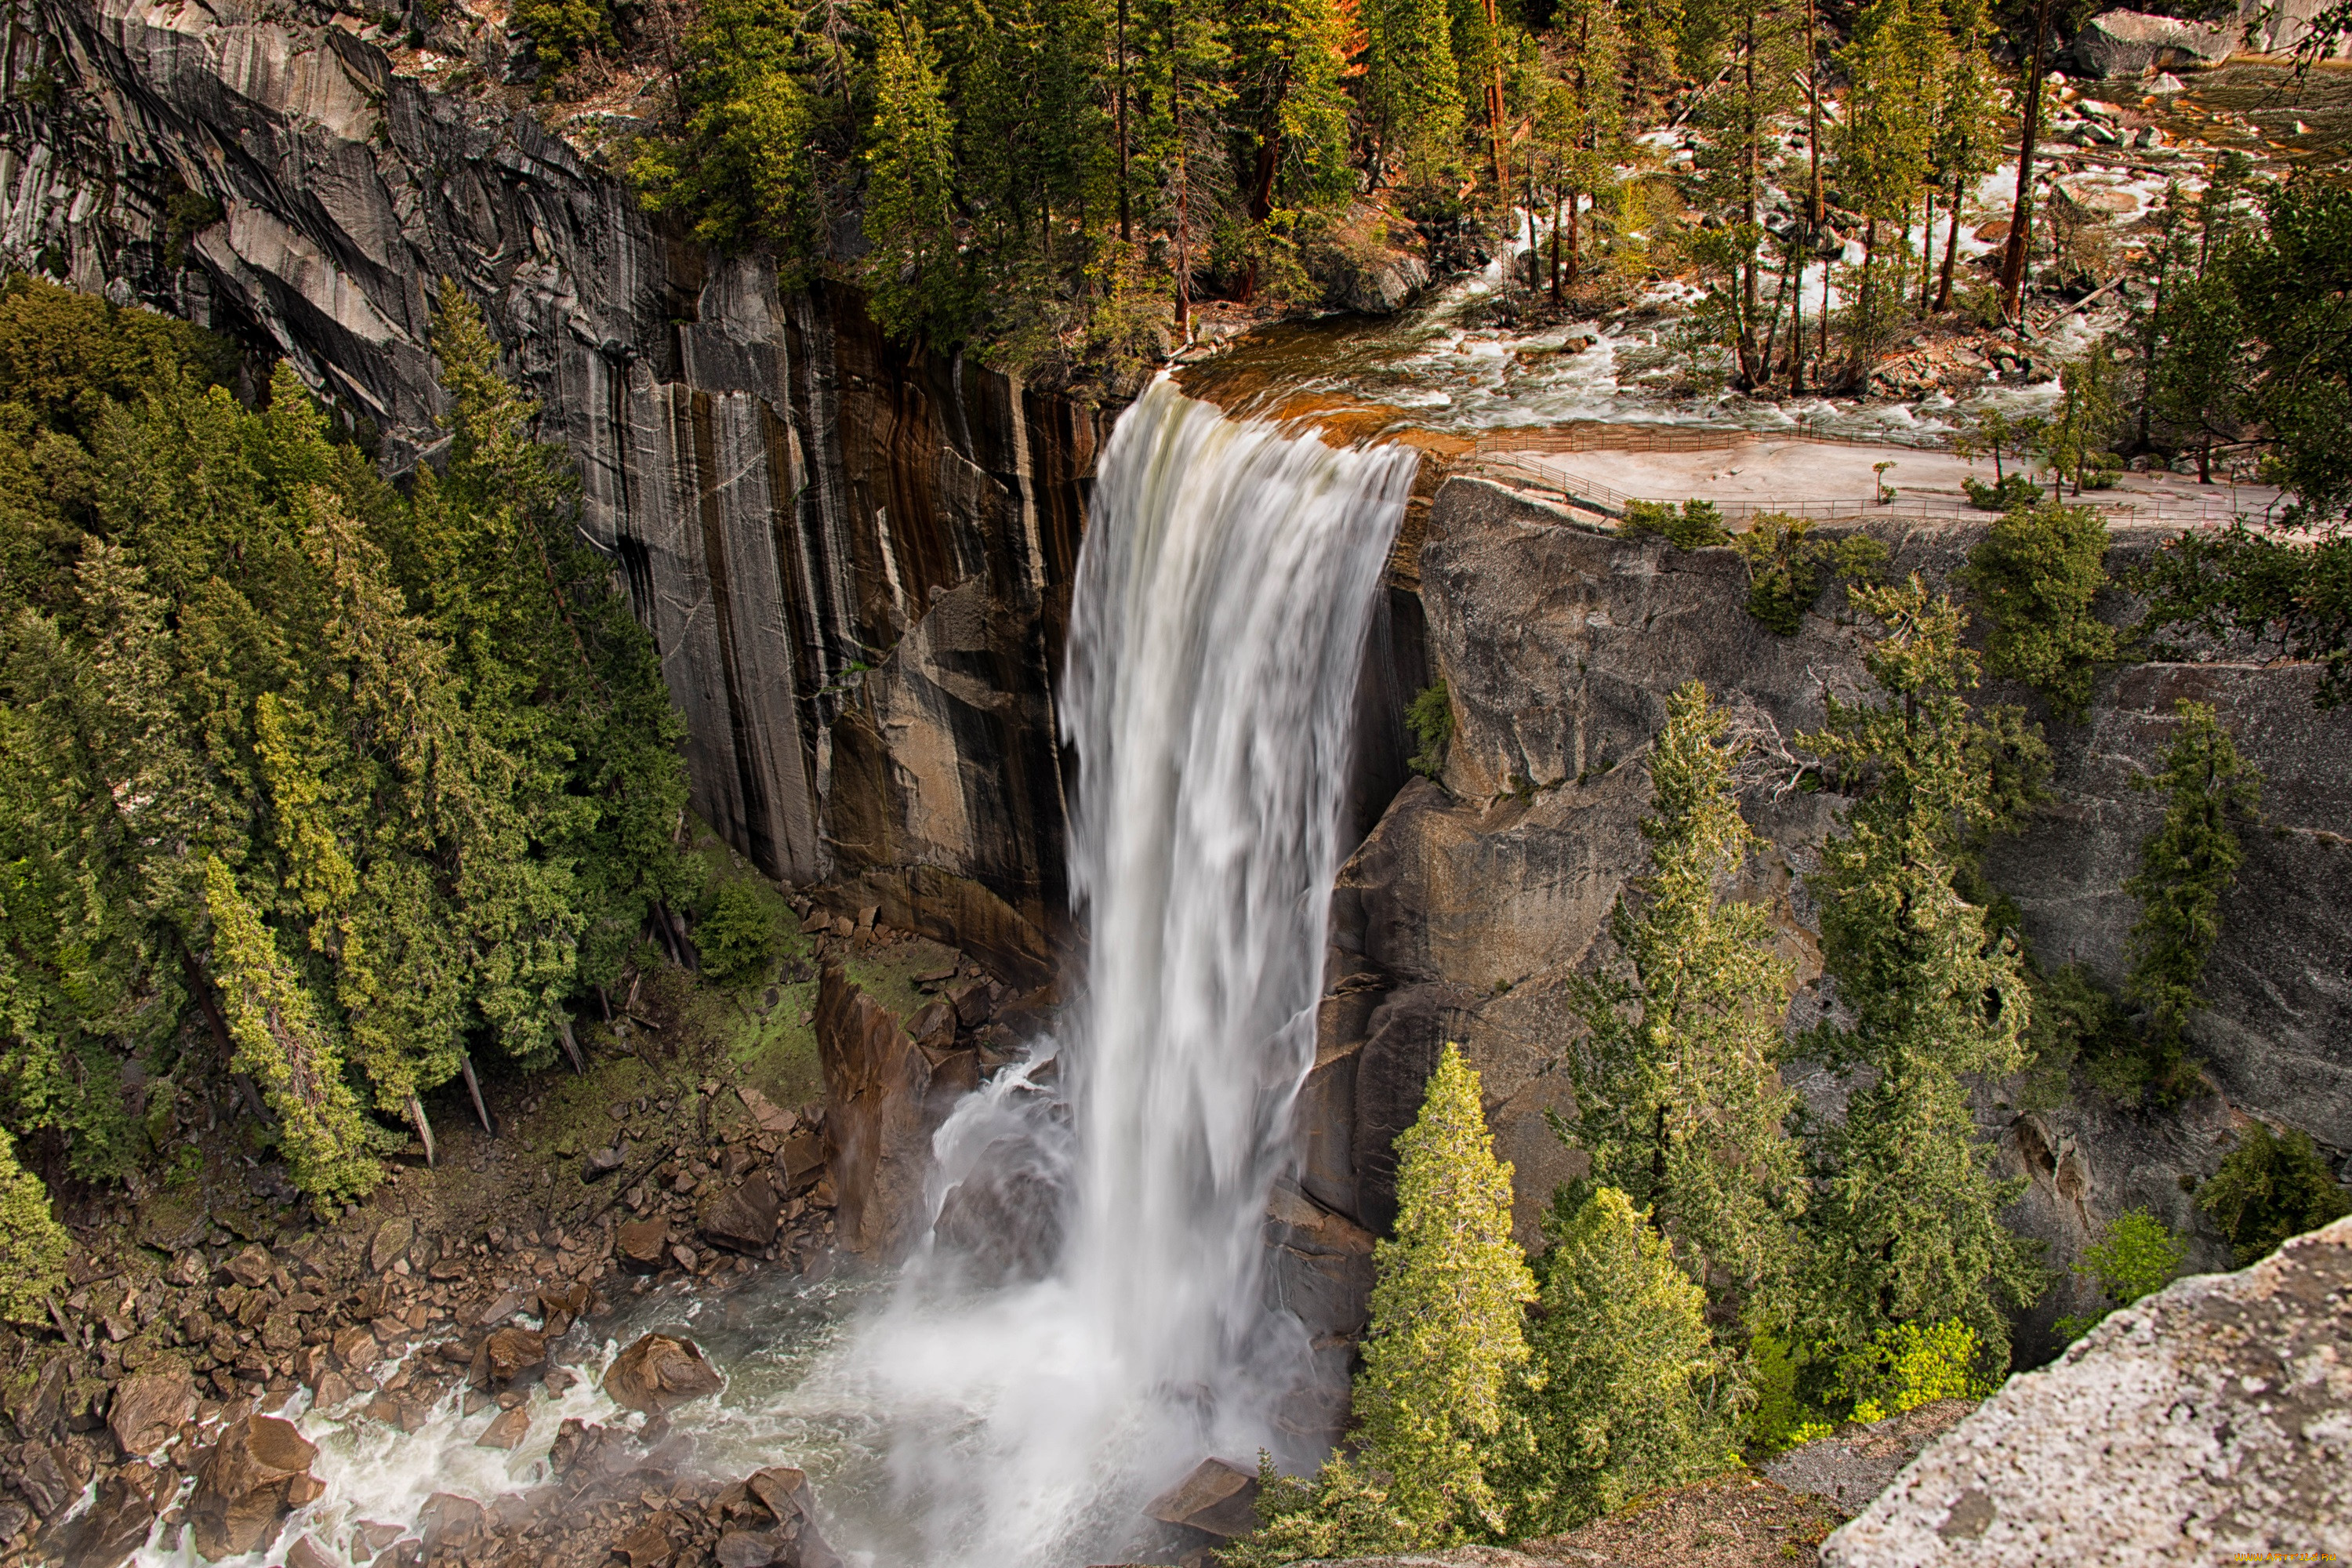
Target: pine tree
pixel 1884 143
pixel 1289 68
pixel 1412 104
pixel 33 1245
pixel 2186 867
pixel 1578 126
pixel 1967 142
pixel 1906 1222
pixel 1678 1088
pixel 1755 47
pixel 280 1040
pixel 1624 1392
pixel 1446 1323
pixel 1187 67
pixel 911 270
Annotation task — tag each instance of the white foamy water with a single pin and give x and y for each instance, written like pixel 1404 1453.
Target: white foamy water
pixel 1225 589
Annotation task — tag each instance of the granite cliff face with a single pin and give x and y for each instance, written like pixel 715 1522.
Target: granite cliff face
pixel 854 558
pixel 1469 906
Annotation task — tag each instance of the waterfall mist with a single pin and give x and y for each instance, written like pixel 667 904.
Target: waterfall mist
pixel 1224 593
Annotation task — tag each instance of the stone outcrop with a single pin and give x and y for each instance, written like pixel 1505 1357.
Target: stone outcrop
pixel 2210 1421
pixel 2131 43
pixel 1470 906
pixel 258 1472
pixel 854 559
pixel 880 1113
pixel 657 1371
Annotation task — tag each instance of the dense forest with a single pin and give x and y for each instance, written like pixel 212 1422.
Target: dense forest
pixel 311 788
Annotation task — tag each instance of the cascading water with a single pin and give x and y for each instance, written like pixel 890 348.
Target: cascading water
pixel 1020 1415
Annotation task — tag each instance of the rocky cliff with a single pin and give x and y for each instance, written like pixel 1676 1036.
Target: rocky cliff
pixel 854 558
pixel 1469 906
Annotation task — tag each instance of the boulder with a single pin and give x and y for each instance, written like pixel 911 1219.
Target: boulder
pixel 450 1523
pixel 506 1355
pixel 879 1123
pixel 148 1408
pixel 250 1267
pixel 598 1163
pixel 766 1115
pixel 1005 1218
pixel 744 1217
pixel 2132 42
pixel 392 1239
pixel 42 1477
pixel 115 1525
pixel 2208 1422
pixel 258 1473
pixel 1217 1499
pixel 507 1430
pixel 801 1160
pixel 643 1246
pixel 308 1553
pixel 659 1371
pixel 646 1546
pixel 1318 1265
pixel 356 1347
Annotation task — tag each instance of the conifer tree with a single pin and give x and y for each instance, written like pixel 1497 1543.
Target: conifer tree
pixel 1904 1226
pixel 1966 143
pixel 1578 126
pixel 33 1245
pixel 1885 141
pixel 1188 72
pixel 1677 1084
pixel 2186 867
pixel 280 1040
pixel 1413 89
pixel 910 271
pixel 1754 45
pixel 1445 1332
pixel 1289 70
pixel 1624 1392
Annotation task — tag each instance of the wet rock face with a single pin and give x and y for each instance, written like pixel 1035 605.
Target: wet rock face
pixel 1006 1220
pixel 258 1473
pixel 880 1112
pixel 788 499
pixel 1464 913
pixel 2222 1407
pixel 659 1371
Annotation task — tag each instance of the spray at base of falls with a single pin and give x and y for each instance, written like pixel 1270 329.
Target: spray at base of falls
pixel 1023 1413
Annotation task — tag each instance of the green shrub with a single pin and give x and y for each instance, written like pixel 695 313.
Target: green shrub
pixel 1344 1511
pixel 1694 525
pixel 2037 573
pixel 561 31
pixel 2136 1256
pixel 740 931
pixel 2271 1186
pixel 1788 567
pixel 2012 492
pixel 1781 1416
pixel 1911 1365
pixel 2077 1021
pixel 33 1245
pixel 1430 716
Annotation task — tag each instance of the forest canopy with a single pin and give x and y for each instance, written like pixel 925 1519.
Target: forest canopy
pixel 308 785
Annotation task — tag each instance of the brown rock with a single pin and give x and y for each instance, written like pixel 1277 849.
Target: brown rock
pixel 659 1371
pixel 448 1523
pixel 116 1524
pixel 392 1239
pixel 506 1355
pixel 783 1490
pixel 972 1003
pixel 877 1125
pixel 752 1549
pixel 646 1545
pixel 743 1219
pixel 43 1479
pixel 308 1553
pixel 148 1409
pixel 765 1113
pixel 335 1389
pixel 356 1348
pixel 506 1430
pixel 643 1244
pixel 250 1267
pixel 1217 1499
pixel 802 1159
pixel 259 1471
pixel 933 1027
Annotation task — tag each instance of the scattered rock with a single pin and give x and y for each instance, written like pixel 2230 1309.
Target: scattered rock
pixel 115 1526
pixel 2131 43
pixel 801 1160
pixel 259 1473
pixel 643 1246
pixel 43 1479
pixel 505 1356
pixel 1854 1465
pixel 1217 1499
pixel 598 1163
pixel 766 1115
pixel 356 1348
pixel 448 1523
pixel 250 1267
pixel 393 1240
pixel 506 1430
pixel 659 1371
pixel 308 1553
pixel 2220 1407
pixel 148 1408
pixel 644 1546
pixel 743 1218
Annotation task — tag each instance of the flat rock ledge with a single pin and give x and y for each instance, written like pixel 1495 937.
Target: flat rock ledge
pixel 2212 1419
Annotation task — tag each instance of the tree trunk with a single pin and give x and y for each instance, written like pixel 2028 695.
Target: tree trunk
pixel 1951 243
pixel 2020 223
pixel 423 1128
pixel 1554 248
pixel 1494 102
pixel 571 1046
pixel 473 1088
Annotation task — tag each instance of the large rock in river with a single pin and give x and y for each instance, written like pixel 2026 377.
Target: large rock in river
pixel 658 1372
pixel 2211 1422
pixel 257 1474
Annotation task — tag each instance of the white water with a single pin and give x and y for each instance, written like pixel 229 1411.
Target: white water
pixel 1225 588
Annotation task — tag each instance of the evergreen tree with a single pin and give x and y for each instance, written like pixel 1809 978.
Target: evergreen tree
pixel 1904 1225
pixel 2038 570
pixel 1187 69
pixel 1289 70
pixel 1678 1088
pixel 1967 143
pixel 1624 1392
pixel 1446 1330
pixel 2186 867
pixel 1412 92
pixel 1885 146
pixel 911 270
pixel 2272 1186
pixel 33 1245
pixel 1578 126
pixel 1754 45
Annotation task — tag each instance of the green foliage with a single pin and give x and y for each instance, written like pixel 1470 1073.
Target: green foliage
pixel 2136 1255
pixel 1413 96
pixel 1345 1512
pixel 1788 567
pixel 1781 1416
pixel 1909 1364
pixel 2089 410
pixel 742 931
pixel 1445 1334
pixel 2293 287
pixel 2076 1020
pixel 1430 716
pixel 33 1245
pixel 1904 1224
pixel 2038 572
pixel 2287 593
pixel 562 31
pixel 912 276
pixel 363 782
pixel 2009 495
pixel 2185 866
pixel 1625 1390
pixel 1694 525
pixel 1677 1081
pixel 2273 1186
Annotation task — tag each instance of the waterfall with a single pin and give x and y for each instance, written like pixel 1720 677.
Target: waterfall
pixel 1224 592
